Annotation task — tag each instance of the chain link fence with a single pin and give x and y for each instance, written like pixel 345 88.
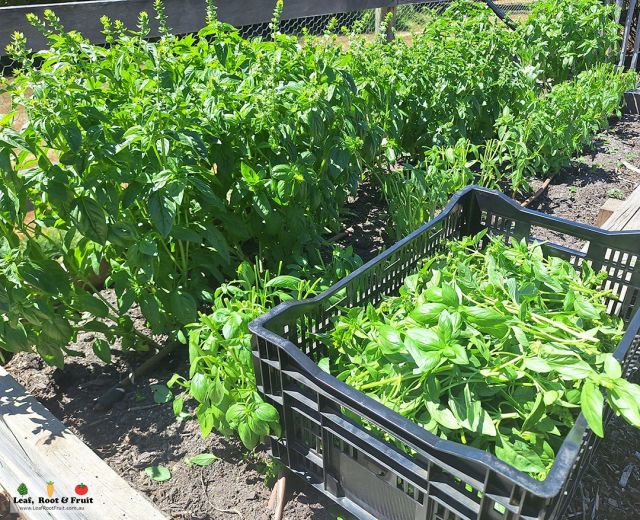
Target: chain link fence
pixel 408 18
pixel 6 66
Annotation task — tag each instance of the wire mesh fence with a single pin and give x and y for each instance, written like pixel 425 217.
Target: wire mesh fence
pixel 6 67
pixel 408 18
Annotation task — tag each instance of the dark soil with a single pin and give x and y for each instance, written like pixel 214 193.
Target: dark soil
pixel 581 189
pixel 138 433
pixel 365 223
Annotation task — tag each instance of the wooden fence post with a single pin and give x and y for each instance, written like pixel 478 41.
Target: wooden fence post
pixel 381 16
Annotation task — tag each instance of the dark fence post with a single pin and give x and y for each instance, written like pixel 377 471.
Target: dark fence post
pixel 631 33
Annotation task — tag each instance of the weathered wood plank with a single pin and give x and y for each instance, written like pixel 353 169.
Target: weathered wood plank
pixel 627 216
pixel 184 16
pixel 607 209
pixel 386 14
pixel 35 448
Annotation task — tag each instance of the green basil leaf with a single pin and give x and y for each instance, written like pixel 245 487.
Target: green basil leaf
pixel 236 413
pixel 390 340
pixel 536 413
pixel 58 329
pixel 158 473
pixel 592 403
pixel 48 276
pixel 90 219
pixel 52 355
pixel 72 135
pixel 443 415
pixel 184 307
pixel 424 338
pixel 178 406
pixel 624 398
pixel 428 313
pixel 324 365
pixel 16 338
pixel 199 387
pixel 94 306
pixel 573 368
pixel 259 427
pixel 612 367
pixel 206 421
pixel 537 364
pixel 102 349
pixel 521 456
pixel 204 459
pixel 162 211
pixel 161 394
pixel 585 309
pixel 248 437
pixel 266 412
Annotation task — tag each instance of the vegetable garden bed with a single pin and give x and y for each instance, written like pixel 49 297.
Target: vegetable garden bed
pixel 201 176
pixel 138 432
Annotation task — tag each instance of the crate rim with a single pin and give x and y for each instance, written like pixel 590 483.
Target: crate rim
pixel 569 450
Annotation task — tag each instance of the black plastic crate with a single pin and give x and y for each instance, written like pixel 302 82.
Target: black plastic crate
pixel 631 102
pixel 444 480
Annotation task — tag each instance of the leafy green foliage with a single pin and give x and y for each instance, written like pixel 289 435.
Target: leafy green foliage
pixel 177 159
pixel 482 109
pixel 499 348
pixel 221 378
pixel 565 37
pixel 165 164
pixel 536 142
pixel 414 194
pixel 543 137
pixel 158 473
pixel 466 75
pixel 161 394
pixel 616 193
pixel 203 459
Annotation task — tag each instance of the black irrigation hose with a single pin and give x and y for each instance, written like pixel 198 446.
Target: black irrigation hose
pixel 117 392
pixel 499 12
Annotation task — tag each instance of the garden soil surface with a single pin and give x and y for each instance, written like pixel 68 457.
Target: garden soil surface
pixel 137 433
